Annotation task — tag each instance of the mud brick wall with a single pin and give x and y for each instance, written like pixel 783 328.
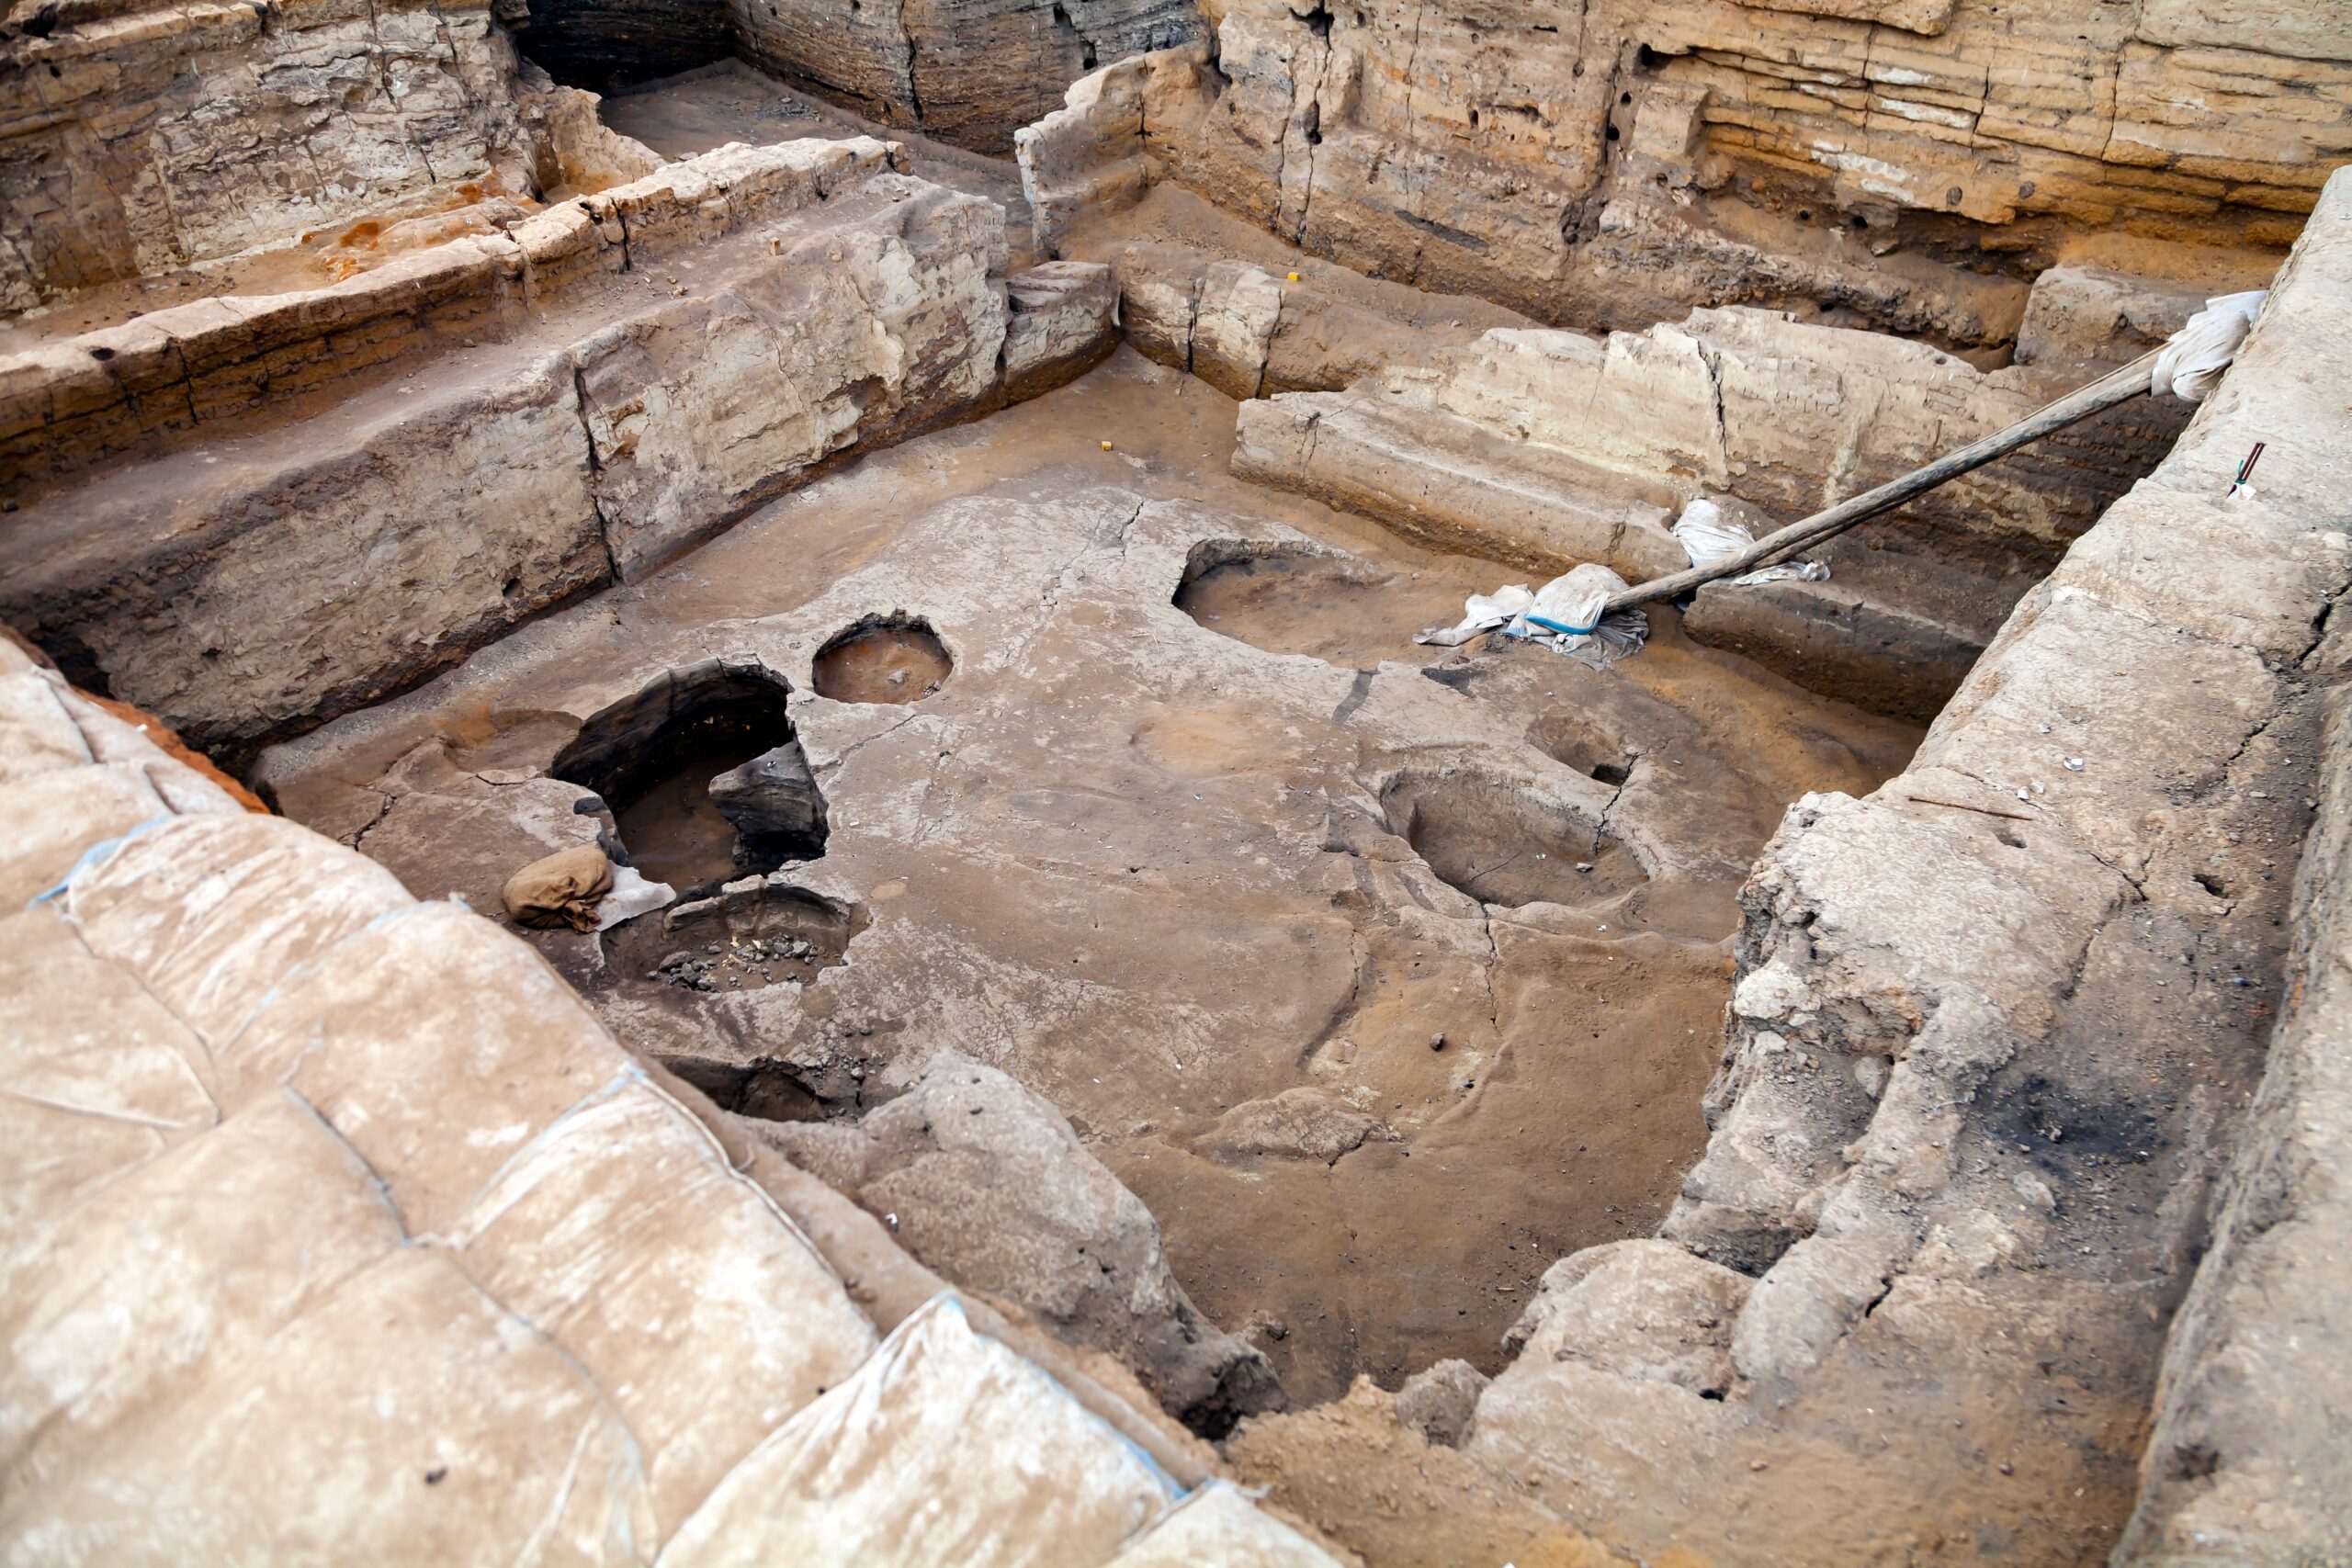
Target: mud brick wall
pixel 138 139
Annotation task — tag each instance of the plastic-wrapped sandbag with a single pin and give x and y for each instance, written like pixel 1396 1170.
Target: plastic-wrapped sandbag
pixel 2191 361
pixel 943 1448
pixel 1705 534
pixel 1564 614
pixel 1481 613
pixel 1707 537
pixel 1219 1525
pixel 1570 604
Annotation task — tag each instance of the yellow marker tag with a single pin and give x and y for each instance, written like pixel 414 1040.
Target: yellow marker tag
pixel 1293 276
pixel 1106 446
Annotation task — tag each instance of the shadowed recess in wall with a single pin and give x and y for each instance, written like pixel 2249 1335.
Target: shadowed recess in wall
pixel 609 45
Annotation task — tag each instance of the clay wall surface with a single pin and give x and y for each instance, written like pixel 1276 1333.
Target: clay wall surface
pixel 967 71
pixel 2251 1455
pixel 165 376
pixel 291 567
pixel 1597 164
pixel 136 139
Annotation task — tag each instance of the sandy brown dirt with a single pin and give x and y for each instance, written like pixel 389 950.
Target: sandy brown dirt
pixel 1150 868
pixel 1373 1486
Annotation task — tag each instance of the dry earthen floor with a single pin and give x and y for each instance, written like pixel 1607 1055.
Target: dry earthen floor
pixel 1158 866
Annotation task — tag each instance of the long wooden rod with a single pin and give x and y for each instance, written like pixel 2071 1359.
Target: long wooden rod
pixel 2118 387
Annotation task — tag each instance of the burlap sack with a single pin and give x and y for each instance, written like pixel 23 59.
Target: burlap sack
pixel 562 890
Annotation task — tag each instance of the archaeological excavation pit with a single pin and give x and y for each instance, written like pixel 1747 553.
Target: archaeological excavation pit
pixel 1334 607
pixel 965 786
pixel 1506 846
pixel 886 660
pixel 703 777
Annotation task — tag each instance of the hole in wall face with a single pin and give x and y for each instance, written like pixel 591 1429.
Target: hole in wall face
pixel 882 660
pixel 606 48
pixel 704 778
pixel 1500 844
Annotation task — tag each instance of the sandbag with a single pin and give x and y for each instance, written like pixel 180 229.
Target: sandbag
pixel 37 735
pixel 1218 1523
pixel 563 889
pixel 622 1233
pixel 210 912
pixel 946 1448
pixel 49 820
pixel 1707 537
pixel 2191 361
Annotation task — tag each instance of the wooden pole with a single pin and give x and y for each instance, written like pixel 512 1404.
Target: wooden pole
pixel 2118 387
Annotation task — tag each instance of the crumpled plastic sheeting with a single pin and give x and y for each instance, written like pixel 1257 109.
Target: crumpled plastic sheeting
pixel 1481 613
pixel 1565 616
pixel 2190 364
pixel 1707 537
pixel 632 895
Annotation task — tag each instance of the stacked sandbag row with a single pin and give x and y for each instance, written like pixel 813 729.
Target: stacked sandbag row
pixel 328 1216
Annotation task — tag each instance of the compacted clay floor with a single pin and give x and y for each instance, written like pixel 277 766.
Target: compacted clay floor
pixel 1155 806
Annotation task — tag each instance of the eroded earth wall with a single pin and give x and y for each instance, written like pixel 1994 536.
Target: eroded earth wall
pixel 389 473
pixel 2251 1455
pixel 1552 448
pixel 1994 1033
pixel 968 72
pixel 1597 163
pixel 137 139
